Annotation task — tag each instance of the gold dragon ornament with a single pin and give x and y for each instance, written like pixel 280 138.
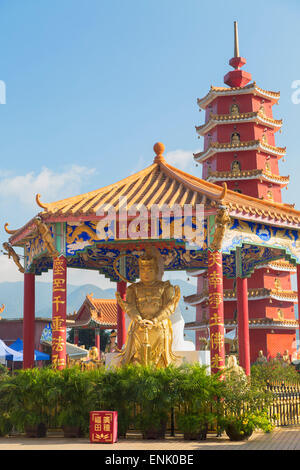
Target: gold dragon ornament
pixel 222 220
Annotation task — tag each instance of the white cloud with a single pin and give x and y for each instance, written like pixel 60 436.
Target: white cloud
pixel 181 159
pixel 9 271
pixel 49 184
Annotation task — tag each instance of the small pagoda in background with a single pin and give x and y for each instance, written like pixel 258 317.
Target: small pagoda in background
pixel 94 314
pixel 240 150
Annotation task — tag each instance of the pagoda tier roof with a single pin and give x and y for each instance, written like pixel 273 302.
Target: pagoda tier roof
pixel 248 175
pixel 252 88
pixel 258 145
pixel 258 117
pixel 280 265
pixel 95 313
pixel 258 323
pixel 253 294
pixel 161 185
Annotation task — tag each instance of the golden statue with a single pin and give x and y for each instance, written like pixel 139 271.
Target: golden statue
pixel 46 236
pixel 235 138
pixel 236 167
pixel 12 254
pixel 92 361
pixel 267 167
pixel 111 344
pixel 149 304
pixel 286 357
pixel 222 220
pixel 234 109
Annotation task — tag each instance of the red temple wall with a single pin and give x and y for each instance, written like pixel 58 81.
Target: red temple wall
pixel 11 330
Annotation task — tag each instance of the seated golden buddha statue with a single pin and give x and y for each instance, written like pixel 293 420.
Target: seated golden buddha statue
pixel 235 138
pixel 234 109
pixel 149 304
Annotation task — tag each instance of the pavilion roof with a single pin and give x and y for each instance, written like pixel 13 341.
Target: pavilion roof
pixel 163 185
pixel 93 313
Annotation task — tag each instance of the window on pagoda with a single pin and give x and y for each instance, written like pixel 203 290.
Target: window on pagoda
pixel 235 165
pixel 234 109
pixel 262 110
pixel 235 138
pixel 267 167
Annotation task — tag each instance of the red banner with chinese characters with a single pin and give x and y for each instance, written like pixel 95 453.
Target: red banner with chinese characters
pixel 59 312
pixel 216 311
pixel 104 426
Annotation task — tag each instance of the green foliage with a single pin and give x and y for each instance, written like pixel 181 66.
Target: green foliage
pixel 29 396
pixel 198 395
pixel 245 406
pixel 274 371
pixel 142 396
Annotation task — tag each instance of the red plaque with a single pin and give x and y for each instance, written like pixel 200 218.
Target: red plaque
pixel 104 427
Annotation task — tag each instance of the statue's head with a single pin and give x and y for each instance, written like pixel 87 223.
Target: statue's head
pixel 148 268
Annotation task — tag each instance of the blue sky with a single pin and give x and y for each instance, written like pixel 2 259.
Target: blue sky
pixel 91 86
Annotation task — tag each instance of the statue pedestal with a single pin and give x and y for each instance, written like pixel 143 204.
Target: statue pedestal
pixel 193 357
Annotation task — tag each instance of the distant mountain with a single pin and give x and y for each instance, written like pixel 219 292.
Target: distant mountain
pixel 11 295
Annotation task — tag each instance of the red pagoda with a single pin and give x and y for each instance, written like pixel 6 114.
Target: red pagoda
pixel 240 150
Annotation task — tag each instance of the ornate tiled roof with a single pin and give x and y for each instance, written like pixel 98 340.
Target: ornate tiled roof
pixel 258 117
pixel 246 175
pixel 258 323
pixel 159 184
pixel 280 265
pixel 224 91
pixel 95 312
pixel 258 145
pixel 253 294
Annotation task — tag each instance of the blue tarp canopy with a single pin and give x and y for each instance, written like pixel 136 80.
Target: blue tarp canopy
pixel 38 355
pixel 9 354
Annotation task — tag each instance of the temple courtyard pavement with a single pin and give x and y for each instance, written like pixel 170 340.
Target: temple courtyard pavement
pixel 280 439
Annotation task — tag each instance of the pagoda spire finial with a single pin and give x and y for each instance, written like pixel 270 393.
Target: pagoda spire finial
pixel 236 40
pixel 237 77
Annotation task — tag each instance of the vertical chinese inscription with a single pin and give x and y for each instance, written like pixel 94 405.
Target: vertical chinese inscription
pixel 216 311
pixel 59 309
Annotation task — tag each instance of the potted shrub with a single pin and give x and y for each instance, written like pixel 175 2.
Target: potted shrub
pixel 245 408
pixel 74 395
pixel 197 392
pixel 30 400
pixel 114 390
pixel 155 396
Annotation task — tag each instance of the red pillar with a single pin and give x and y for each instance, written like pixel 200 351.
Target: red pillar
pixel 76 337
pixel 59 312
pixel 216 311
pixel 97 341
pixel 298 292
pixel 29 320
pixel 121 288
pixel 243 323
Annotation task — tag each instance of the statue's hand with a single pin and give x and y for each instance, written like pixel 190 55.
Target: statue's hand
pixel 121 302
pixel 146 323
